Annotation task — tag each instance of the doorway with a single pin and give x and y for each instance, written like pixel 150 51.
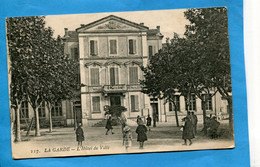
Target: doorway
pixel 115 101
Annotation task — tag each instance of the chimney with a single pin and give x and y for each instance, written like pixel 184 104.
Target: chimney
pixel 66 32
pixel 158 28
pixel 142 24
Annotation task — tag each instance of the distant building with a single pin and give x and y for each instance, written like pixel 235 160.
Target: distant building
pixel 110 52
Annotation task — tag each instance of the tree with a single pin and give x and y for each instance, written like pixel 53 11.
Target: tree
pixel 209 32
pixel 39 69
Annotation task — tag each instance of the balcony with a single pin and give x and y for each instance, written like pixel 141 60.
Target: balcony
pixel 114 88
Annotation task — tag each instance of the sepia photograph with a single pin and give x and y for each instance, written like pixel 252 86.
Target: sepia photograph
pixel 119 83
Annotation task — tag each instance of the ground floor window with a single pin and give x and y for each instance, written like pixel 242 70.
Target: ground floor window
pixel 191 105
pixel 24 112
pixel 134 103
pixel 96 104
pixel 208 103
pixel 177 101
pixel 56 109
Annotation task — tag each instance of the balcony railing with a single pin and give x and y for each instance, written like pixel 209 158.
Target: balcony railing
pixel 120 88
pixel 115 88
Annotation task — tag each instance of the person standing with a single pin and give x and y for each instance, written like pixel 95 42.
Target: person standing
pixel 79 135
pixel 187 133
pixel 148 121
pixel 195 122
pixel 141 134
pixel 109 125
pixel 127 137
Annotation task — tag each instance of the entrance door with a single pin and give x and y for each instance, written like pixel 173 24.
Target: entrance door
pixel 78 113
pixel 155 113
pixel 115 101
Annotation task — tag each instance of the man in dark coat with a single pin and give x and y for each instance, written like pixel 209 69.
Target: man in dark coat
pixel 187 130
pixel 148 121
pixel 79 135
pixel 141 134
pixel 109 125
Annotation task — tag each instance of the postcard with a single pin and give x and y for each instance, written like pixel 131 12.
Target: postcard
pixel 119 83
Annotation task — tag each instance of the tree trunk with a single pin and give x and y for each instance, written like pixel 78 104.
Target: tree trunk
pixel 49 106
pixel 37 122
pixel 17 128
pixel 204 117
pixel 230 108
pixel 176 116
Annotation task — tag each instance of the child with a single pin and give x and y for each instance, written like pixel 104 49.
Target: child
pixel 79 135
pixel 141 133
pixel 109 125
pixel 127 137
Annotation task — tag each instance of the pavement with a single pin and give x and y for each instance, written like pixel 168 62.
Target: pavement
pixel 62 142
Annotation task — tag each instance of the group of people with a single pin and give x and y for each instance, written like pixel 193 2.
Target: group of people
pixel 211 126
pixel 189 127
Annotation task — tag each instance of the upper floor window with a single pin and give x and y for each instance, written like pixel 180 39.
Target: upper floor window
pixel 191 106
pixel 133 75
pixel 94 75
pixel 74 52
pixel 114 76
pixel 57 109
pixel 113 46
pixel 177 101
pixel 93 48
pixel 208 104
pixel 132 46
pixel 24 112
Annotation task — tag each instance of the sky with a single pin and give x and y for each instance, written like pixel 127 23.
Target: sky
pixel 170 21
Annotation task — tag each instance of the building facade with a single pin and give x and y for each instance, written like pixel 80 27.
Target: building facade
pixel 110 52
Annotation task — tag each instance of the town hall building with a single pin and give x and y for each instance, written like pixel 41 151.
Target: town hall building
pixel 110 52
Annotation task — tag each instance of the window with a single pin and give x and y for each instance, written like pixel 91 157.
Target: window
pixel 74 53
pixel 56 109
pixel 171 105
pixel 133 75
pixel 114 77
pixel 192 104
pixel 24 112
pixel 96 104
pixel 132 46
pixel 150 50
pixel 93 48
pixel 134 103
pixel 41 110
pixel 209 102
pixel 113 46
pixel 94 75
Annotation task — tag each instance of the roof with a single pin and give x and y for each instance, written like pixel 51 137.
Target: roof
pixel 72 36
pixel 113 17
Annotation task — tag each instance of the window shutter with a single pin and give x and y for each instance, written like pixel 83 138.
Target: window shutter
pixel 132 103
pixel 95 48
pixel 113 47
pixel 92 50
pixel 134 46
pixel 94 73
pixel 116 76
pixel 131 48
pixel 112 76
pixel 136 102
pixel 96 104
pixel 76 54
pixel 170 106
pixel 133 75
pixel 150 50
